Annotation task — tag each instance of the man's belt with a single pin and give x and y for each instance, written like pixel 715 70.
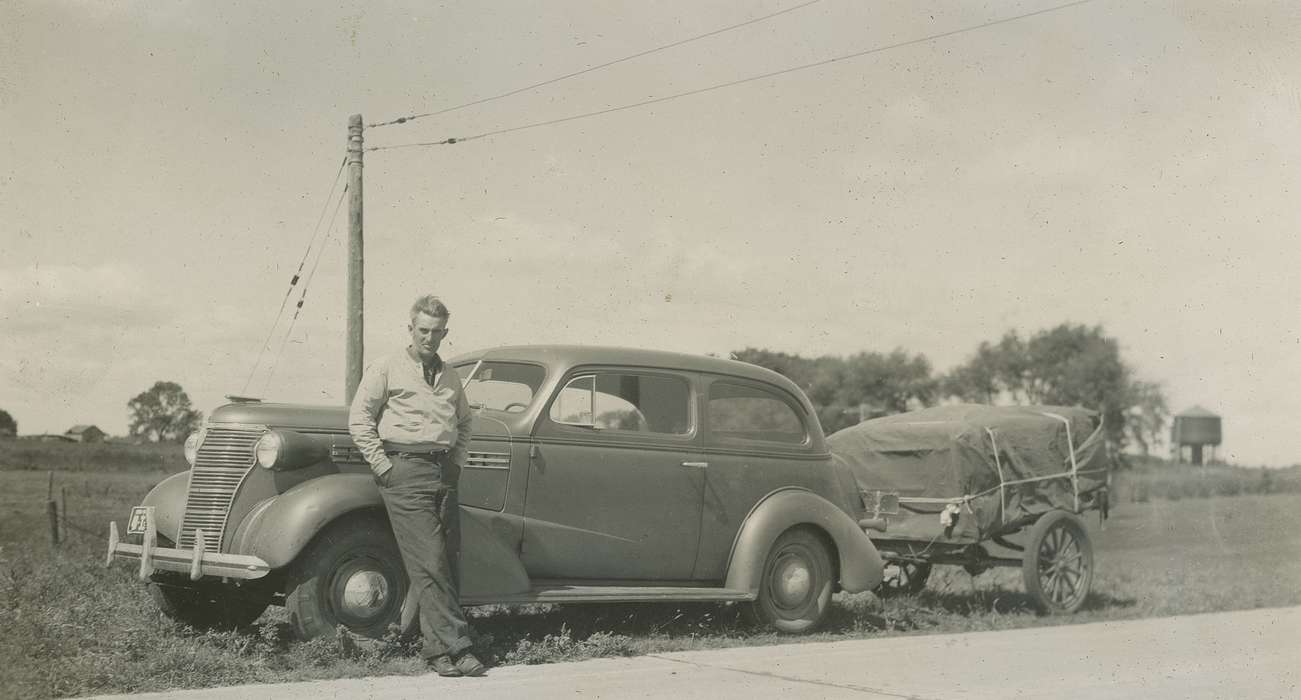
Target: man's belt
pixel 418 453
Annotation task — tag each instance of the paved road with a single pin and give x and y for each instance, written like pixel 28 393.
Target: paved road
pixel 1252 654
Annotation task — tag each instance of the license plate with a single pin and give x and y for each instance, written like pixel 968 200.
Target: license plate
pixel 139 521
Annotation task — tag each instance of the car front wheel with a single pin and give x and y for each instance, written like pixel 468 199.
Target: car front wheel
pixel 208 608
pixel 795 590
pixel 350 575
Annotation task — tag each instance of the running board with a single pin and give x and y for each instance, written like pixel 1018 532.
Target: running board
pixel 613 594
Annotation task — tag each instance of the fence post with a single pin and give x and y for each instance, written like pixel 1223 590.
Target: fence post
pixel 63 513
pixel 52 510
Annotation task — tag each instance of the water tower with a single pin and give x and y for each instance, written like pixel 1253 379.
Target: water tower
pixel 1194 429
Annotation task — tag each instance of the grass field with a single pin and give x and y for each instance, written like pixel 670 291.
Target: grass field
pixel 68 626
pixel 1154 479
pixel 101 457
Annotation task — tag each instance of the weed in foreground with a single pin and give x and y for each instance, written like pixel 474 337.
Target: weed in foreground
pixel 563 647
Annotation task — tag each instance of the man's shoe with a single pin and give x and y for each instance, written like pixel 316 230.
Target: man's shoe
pixel 468 665
pixel 443 666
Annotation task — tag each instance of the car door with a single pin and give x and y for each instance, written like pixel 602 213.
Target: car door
pixel 756 440
pixel 615 479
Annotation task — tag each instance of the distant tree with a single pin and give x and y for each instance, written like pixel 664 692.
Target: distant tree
pixel 163 414
pixel 991 372
pixel 1148 414
pixel 840 388
pixel 793 367
pixel 1068 365
pixel 892 383
pixel 8 426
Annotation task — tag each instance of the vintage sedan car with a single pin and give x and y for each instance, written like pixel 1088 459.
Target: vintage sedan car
pixel 594 475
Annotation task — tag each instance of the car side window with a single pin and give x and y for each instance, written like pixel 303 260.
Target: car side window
pixel 643 403
pixel 744 412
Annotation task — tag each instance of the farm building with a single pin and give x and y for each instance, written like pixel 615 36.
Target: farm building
pixel 85 433
pixel 47 437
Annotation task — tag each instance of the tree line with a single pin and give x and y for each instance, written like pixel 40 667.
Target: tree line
pixel 163 413
pixel 1069 365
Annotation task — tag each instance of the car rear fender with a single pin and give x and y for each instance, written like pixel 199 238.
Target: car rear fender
pixel 859 563
pixel 168 500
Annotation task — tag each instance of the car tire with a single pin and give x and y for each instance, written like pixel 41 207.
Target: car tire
pixel 208 608
pixel 203 606
pixel 350 575
pixel 795 587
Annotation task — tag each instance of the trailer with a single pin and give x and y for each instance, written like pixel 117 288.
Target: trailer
pixel 941 484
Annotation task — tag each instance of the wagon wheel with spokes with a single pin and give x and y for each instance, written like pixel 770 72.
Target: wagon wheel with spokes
pixel 1058 563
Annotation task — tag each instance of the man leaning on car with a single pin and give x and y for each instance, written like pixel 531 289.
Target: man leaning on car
pixel 411 421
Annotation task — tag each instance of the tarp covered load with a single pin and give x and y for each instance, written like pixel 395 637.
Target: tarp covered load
pixel 991 468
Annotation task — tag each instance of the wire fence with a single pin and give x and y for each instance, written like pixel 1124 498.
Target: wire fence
pixel 62 528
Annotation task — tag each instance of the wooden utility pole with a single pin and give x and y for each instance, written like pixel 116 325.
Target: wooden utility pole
pixel 356 268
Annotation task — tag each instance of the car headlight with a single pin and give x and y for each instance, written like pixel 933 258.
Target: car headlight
pixel 268 449
pixel 192 444
pixel 284 450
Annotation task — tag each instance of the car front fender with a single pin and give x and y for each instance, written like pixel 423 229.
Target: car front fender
pixel 168 500
pixel 860 563
pixel 277 529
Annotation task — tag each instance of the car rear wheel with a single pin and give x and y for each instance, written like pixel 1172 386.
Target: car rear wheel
pixel 795 589
pixel 350 575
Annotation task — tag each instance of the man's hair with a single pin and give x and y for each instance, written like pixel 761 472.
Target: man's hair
pixel 430 304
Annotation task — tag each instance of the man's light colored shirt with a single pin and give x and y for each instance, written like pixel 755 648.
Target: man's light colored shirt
pixel 396 409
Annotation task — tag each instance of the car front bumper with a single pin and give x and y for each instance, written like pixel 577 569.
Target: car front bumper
pixel 196 562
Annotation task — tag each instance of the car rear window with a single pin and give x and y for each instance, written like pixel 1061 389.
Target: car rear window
pixel 745 412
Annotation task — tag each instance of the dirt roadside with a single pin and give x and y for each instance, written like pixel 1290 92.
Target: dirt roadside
pixel 1235 654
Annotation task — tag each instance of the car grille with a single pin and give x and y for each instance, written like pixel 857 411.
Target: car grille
pixel 224 459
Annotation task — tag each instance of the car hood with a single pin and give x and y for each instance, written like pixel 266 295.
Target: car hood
pixel 316 419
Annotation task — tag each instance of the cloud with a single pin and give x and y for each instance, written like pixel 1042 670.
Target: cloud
pixel 78 304
pixel 64 328
pixel 107 285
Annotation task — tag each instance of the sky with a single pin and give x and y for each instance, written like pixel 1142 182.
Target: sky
pixel 1135 165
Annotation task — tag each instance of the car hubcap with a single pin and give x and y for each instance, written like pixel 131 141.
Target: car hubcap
pixel 793 581
pixel 365 594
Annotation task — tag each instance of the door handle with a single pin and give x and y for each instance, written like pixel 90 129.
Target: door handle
pixel 696 465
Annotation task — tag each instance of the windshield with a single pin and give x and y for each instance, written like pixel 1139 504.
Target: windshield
pixel 502 386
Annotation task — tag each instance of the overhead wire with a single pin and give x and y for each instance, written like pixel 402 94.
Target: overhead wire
pixel 302 297
pixel 741 81
pixel 297 275
pixel 607 64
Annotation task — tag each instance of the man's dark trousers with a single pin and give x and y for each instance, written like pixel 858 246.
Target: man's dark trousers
pixel 420 495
